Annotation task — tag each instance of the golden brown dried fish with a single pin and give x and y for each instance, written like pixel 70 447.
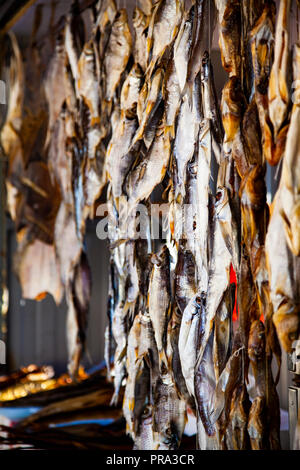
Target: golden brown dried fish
pixel 146 6
pixel 278 93
pixel 131 89
pixel 149 100
pixel 290 179
pixel 74 38
pixel 78 294
pixel 163 28
pixel 174 358
pixel 138 379
pixel 262 47
pixel 205 383
pixel 151 170
pixel 284 272
pixel 185 277
pixel 229 12
pixel 204 25
pixel 105 14
pixel 39 278
pixel 169 415
pixel 172 98
pixel 120 155
pixel 187 341
pixel 182 47
pixel 140 24
pixel 10 137
pixel 237 437
pixel 256 424
pixel 117 53
pixel 54 89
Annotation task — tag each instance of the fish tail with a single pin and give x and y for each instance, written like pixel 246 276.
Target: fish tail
pixel 149 45
pixel 163 361
pixel 115 398
pixel 188 92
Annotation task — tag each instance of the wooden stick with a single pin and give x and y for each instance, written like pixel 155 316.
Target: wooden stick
pixel 17 9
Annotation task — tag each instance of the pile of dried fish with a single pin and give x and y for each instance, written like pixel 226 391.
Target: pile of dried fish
pixel 136 110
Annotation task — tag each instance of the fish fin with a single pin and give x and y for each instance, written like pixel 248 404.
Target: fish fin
pixel 115 399
pixel 170 131
pixel 163 362
pixel 118 243
pixel 122 354
pixel 188 92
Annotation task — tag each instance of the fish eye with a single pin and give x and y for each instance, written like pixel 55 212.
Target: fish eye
pixel 293 336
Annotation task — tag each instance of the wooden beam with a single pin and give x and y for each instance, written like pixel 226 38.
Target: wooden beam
pixel 14 12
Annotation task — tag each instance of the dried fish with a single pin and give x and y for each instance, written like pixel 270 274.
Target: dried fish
pixel 163 28
pixel 120 156
pixel 262 47
pixel 117 53
pixel 290 180
pixel 229 12
pixel 204 24
pixel 187 342
pixel 284 270
pixel 278 94
pixel 131 89
pixel 159 302
pixel 140 24
pixel 182 47
pixel 151 170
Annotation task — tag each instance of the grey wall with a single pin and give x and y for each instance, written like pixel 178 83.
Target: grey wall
pixel 37 331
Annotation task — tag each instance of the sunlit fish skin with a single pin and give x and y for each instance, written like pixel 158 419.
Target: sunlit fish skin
pixel 187 341
pixel 229 13
pixel 163 28
pixel 131 89
pixel 138 379
pixel 117 53
pixel 169 416
pixel 105 14
pixel 119 330
pixel 54 91
pixel 120 157
pixel 182 47
pixel 74 40
pixel 237 437
pixel 159 302
pixel 140 24
pixel 149 99
pixel 146 6
pixel 262 48
pixel 174 358
pixel 150 171
pixel 144 436
pixel 172 97
pixel 284 275
pixel 87 82
pixel 10 139
pixel 204 24
pixel 219 271
pixel 185 278
pixel 278 93
pixel 184 146
pixel 290 179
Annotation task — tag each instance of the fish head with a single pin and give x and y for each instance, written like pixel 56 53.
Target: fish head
pixel 287 323
pixel 257 341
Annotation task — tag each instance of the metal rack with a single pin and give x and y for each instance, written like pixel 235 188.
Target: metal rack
pixel 294 393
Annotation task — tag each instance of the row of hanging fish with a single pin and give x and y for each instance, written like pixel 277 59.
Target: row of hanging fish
pixel 131 108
